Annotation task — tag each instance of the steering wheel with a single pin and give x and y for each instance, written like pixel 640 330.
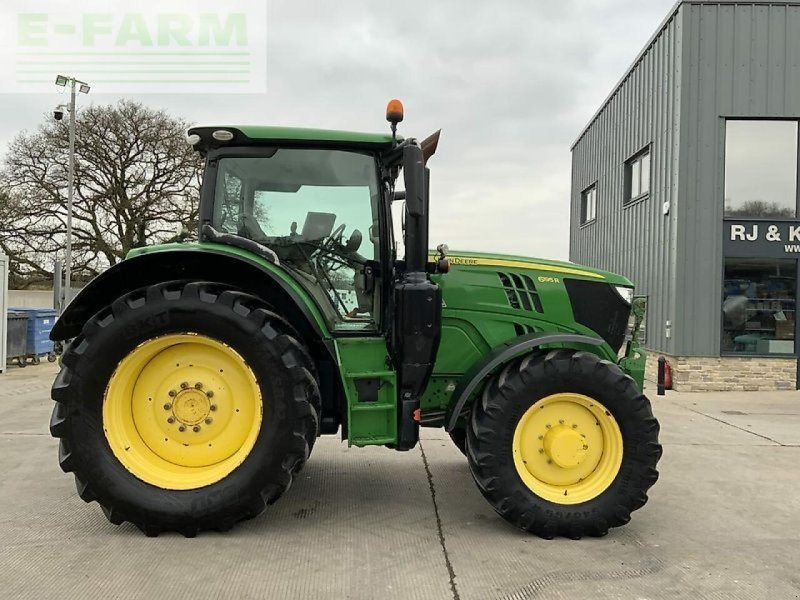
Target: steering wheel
pixel 326 248
pixel 334 238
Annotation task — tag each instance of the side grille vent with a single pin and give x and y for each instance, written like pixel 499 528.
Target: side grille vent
pixel 520 291
pixel 521 329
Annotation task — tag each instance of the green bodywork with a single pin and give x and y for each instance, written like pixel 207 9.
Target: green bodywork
pixel 477 317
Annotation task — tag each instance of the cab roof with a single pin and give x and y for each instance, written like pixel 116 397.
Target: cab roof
pixel 264 134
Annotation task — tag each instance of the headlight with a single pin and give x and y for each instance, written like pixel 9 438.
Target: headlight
pixel 626 293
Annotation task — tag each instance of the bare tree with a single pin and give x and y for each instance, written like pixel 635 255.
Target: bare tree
pixel 759 208
pixel 136 183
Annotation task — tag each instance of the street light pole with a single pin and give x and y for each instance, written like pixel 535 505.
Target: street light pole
pixel 70 196
pixel 84 88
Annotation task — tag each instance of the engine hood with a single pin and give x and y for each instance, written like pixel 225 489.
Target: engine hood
pixel 464 258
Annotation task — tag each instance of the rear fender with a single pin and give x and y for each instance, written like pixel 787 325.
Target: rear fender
pixel 235 267
pixel 251 274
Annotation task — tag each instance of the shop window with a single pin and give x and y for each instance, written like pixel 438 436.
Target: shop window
pixel 637 176
pixel 589 204
pixel 758 307
pixel 760 169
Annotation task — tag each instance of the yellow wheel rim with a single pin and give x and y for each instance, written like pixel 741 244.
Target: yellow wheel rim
pixel 567 448
pixel 182 411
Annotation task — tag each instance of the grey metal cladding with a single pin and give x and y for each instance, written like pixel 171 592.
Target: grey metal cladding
pixel 708 61
pixel 634 240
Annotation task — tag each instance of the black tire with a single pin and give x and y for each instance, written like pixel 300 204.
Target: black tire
pixel 459 437
pixel 511 393
pixel 263 339
pixel 22 361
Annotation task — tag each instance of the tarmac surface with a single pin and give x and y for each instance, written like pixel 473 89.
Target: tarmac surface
pixel 722 522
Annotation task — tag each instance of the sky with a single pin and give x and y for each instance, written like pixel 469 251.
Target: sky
pixel 511 84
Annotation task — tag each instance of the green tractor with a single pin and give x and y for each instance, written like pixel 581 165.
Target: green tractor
pixel 199 375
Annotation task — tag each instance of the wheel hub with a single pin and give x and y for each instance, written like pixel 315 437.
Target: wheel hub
pixel 565 447
pixel 191 406
pixel 182 411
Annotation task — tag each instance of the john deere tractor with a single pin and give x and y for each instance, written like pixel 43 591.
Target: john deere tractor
pixel 199 375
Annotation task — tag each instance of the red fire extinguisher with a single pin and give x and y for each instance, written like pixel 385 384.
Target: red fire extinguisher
pixel 664 376
pixel 667 375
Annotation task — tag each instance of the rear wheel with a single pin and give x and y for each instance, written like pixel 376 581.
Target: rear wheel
pixel 563 443
pixel 185 406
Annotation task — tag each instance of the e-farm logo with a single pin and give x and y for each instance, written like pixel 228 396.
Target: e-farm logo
pixel 172 46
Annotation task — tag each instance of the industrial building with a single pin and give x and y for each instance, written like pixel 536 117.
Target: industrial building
pixel 686 181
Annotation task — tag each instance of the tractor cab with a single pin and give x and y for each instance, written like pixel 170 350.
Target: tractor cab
pixel 315 212
pixel 318 204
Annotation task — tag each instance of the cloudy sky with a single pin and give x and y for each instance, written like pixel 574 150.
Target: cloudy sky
pixel 510 83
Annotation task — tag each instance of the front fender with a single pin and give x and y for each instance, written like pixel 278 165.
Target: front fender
pixel 206 262
pixel 500 355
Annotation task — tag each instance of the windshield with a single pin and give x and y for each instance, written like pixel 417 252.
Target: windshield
pixel 317 210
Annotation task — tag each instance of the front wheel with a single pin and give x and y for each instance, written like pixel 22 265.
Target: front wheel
pixel 563 443
pixel 459 437
pixel 184 406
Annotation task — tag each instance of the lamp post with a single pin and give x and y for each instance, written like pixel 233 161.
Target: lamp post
pixel 75 87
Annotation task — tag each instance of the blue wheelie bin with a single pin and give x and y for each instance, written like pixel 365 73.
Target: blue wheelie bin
pixel 40 323
pixel 16 344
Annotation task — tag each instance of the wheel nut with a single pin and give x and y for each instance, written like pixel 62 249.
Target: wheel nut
pixel 170 419
pixel 182 428
pixel 541 450
pixel 574 426
pixel 547 426
pixel 561 421
pixel 210 393
pixel 198 386
pixel 208 421
pixel 213 407
pixel 184 385
pixel 171 393
pixel 196 428
pixel 541 437
pixel 167 406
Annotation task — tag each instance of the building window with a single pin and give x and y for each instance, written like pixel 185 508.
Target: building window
pixel 589 204
pixel 758 307
pixel 637 176
pixel 760 169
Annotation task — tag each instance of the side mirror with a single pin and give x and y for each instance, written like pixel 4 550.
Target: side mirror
pixel 414 177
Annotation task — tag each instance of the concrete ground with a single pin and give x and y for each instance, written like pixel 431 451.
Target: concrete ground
pixel 723 521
